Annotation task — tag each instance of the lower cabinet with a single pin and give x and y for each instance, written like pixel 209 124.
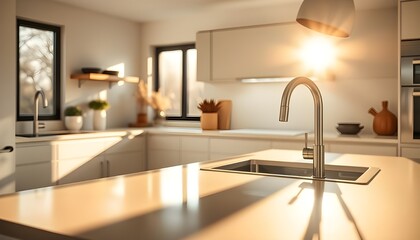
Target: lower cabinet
pixel 228 147
pixel 102 157
pixel 59 162
pixel 366 148
pixel 412 152
pixel 34 165
pixel 43 164
pixel 167 150
pixel 163 151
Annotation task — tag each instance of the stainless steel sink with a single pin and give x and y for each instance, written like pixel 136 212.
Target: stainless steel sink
pixel 335 173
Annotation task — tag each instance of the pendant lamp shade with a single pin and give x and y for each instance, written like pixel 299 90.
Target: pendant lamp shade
pixel 332 17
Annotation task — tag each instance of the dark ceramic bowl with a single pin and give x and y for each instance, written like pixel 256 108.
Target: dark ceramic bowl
pixel 111 72
pixel 91 70
pixel 349 128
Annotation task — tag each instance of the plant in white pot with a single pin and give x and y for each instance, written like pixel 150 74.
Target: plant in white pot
pixel 99 113
pixel 73 119
pixel 209 109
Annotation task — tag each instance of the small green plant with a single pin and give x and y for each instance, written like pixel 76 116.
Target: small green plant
pixel 73 111
pixel 209 106
pixel 98 104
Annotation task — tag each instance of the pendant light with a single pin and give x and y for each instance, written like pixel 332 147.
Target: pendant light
pixel 332 17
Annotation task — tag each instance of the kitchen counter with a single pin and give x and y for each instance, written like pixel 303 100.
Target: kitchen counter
pixel 184 202
pixel 235 133
pixel 67 135
pixel 273 134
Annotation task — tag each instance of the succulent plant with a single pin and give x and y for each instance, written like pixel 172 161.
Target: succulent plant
pixel 209 106
pixel 73 111
pixel 98 104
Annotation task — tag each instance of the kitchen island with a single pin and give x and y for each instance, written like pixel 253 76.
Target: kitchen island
pixel 184 202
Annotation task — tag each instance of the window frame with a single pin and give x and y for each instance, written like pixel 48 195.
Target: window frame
pixel 184 89
pixel 56 69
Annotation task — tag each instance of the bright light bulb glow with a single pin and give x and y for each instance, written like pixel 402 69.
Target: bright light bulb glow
pixel 318 54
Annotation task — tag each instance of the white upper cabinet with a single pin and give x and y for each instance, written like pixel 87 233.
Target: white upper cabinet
pixel 250 52
pixel 410 20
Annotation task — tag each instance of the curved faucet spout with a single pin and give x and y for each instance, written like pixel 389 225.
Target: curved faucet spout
pixel 36 112
pixel 317 152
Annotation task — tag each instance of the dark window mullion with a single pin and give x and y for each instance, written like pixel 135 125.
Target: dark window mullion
pixel 184 84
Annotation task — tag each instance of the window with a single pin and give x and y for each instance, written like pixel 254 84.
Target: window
pixel 38 68
pixel 176 68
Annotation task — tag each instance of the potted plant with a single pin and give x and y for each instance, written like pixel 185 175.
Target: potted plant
pixel 209 109
pixel 73 119
pixel 99 108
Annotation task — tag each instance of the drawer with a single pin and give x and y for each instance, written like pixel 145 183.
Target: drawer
pixel 237 146
pixel 410 152
pixel 165 142
pixel 125 144
pixel 34 154
pixel 86 148
pixel 195 144
pixel 381 150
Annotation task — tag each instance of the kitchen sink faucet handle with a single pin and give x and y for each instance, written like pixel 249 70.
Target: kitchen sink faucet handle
pixel 307 153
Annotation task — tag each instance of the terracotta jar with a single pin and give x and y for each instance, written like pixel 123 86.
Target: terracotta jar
pixel 384 122
pixel 208 121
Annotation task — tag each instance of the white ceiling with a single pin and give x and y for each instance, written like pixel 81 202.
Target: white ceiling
pixel 155 10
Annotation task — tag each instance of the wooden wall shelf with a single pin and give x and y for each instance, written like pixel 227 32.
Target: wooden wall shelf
pixel 81 77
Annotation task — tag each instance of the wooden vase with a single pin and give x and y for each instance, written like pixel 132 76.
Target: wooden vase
pixel 384 122
pixel 224 114
pixel 209 121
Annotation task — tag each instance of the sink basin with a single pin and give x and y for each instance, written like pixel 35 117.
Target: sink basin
pixel 335 173
pixel 30 135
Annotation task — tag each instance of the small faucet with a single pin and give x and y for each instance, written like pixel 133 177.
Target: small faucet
pixel 36 113
pixel 317 153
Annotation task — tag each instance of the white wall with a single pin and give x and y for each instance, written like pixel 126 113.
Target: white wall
pixel 365 75
pixel 91 39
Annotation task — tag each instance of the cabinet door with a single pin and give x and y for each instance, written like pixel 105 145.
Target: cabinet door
pixel 369 149
pixel 80 169
pixel 162 158
pixel 256 52
pixel 163 151
pixel 411 152
pixel 290 145
pixel 203 46
pixel 35 175
pixel 125 163
pixel 126 144
pixel 85 148
pixel 34 166
pixel 230 147
pixel 410 19
pixel 194 149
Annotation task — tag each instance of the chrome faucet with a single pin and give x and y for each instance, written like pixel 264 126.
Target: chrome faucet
pixel 36 113
pixel 317 153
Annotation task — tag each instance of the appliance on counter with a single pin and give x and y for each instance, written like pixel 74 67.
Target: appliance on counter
pixel 410 91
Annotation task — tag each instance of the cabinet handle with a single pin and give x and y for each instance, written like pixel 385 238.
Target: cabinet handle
pixel 7 149
pixel 102 169
pixel 108 166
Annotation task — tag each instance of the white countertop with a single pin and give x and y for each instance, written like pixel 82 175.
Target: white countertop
pixel 67 135
pixel 274 134
pixel 184 202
